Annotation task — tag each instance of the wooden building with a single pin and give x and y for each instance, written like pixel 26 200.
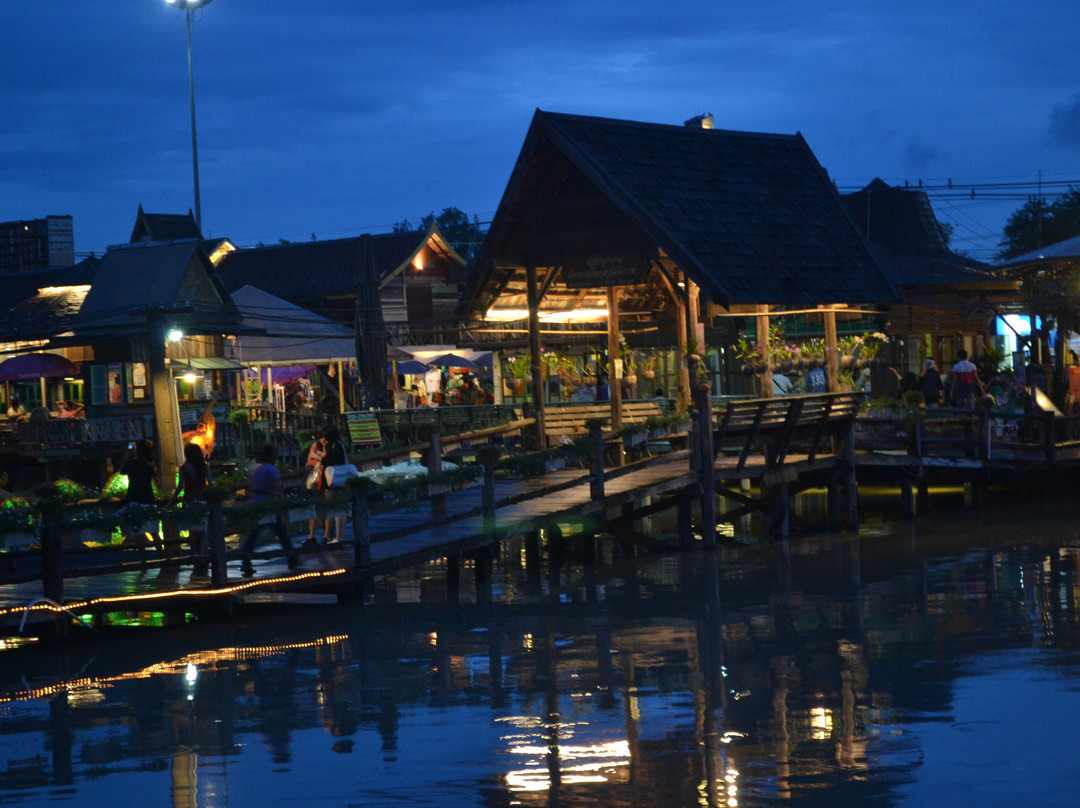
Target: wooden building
pixel 948 301
pixel 627 228
pixel 417 274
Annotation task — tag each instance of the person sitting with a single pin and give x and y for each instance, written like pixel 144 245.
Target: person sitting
pixel 70 409
pixel 15 410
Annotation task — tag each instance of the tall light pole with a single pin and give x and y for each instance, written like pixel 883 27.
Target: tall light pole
pixel 189 6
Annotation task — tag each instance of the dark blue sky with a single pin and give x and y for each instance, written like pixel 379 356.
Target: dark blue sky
pixel 337 117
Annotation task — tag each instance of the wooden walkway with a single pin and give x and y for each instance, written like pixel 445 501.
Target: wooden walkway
pixel 401 538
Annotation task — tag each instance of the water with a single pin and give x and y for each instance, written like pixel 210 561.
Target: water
pixel 929 664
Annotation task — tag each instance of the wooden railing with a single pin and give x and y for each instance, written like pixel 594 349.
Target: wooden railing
pixel 773 427
pixel 75 433
pixel 992 437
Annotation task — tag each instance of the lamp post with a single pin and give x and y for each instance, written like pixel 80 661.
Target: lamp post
pixel 189 6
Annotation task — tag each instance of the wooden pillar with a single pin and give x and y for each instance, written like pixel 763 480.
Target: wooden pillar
pixel 482 575
pixel 453 578
pixel 488 456
pixel 615 369
pixel 215 539
pixel 851 488
pixel 596 482
pixel 780 523
pixel 684 507
pixel 166 413
pixel 341 387
pixel 706 462
pixel 682 395
pixel 360 527
pixel 434 467
pixel 536 369
pixel 832 357
pixel 907 498
pixel 761 334
pixel 52 573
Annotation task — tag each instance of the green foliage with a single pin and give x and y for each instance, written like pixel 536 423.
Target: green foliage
pixel 1037 224
pixel 464 234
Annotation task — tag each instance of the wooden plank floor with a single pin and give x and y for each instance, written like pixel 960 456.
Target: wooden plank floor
pixel 400 538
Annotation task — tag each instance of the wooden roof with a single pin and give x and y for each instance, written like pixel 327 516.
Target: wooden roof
pixel 164 227
pixel 310 270
pixel 135 281
pixel 751 218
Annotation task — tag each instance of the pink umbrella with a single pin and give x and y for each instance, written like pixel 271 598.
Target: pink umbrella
pixel 30 367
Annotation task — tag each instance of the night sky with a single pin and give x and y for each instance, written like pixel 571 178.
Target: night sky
pixel 331 118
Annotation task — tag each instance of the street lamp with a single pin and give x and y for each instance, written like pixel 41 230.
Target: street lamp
pixel 189 6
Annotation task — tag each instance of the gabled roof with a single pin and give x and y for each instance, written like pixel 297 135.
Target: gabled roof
pixel 1069 249
pixel 315 269
pixel 293 335
pixel 751 218
pixel 164 227
pixel 136 281
pixel 901 219
pixel 906 240
pixel 41 303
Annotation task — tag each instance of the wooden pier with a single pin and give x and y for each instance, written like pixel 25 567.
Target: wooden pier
pixel 756 455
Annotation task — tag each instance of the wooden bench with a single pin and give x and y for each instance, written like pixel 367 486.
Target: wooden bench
pixel 772 426
pixel 569 419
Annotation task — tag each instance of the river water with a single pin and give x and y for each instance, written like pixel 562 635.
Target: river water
pixel 929 663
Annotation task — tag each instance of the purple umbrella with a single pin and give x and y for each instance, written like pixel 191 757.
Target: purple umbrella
pixel 30 367
pixel 450 360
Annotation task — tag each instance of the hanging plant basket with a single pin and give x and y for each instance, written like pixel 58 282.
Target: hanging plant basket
pixel 648 374
pixel 631 379
pixel 588 380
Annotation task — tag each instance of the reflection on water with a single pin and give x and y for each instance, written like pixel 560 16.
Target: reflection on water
pixel 926 664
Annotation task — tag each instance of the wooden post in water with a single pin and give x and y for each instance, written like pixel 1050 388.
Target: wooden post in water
pixel 434 467
pixel 482 569
pixel 361 529
pixel 684 512
pixel 706 464
pixel 453 578
pixel 596 482
pixel 52 574
pixel 215 540
pixel 488 456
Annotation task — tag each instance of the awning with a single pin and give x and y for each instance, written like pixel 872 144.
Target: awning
pixel 34 366
pixel 213 363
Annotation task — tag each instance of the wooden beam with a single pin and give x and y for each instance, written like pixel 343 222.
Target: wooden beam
pixel 614 360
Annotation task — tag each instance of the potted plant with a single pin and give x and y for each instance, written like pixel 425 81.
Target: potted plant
pixel 647 365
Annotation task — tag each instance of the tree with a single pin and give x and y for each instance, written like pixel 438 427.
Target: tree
pixel 464 235
pixel 1038 224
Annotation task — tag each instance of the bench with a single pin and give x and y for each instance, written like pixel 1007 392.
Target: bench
pixel 569 419
pixel 772 426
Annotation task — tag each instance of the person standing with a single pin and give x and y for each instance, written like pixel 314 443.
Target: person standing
pixel 264 485
pixel 314 458
pixel 194 478
pixel 930 384
pixel 139 468
pixel 965 381
pixel 335 456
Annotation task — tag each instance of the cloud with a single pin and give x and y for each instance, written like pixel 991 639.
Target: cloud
pixel 919 153
pixel 1064 128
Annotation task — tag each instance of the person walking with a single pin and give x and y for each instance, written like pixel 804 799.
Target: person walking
pixel 965 381
pixel 264 484
pixel 930 384
pixel 194 478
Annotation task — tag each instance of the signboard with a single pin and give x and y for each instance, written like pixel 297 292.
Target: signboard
pixel 363 429
pixel 606 269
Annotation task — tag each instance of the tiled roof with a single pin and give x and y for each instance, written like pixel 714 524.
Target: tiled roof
pixel 898 218
pixel 134 279
pixel 751 217
pixel 315 269
pixel 26 311
pixel 164 227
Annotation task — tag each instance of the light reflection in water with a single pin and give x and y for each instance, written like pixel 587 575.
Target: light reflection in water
pixel 781 673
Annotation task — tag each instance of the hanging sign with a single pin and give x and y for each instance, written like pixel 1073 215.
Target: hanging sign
pixel 606 269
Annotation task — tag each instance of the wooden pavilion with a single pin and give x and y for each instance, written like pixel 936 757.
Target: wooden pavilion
pixel 629 227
